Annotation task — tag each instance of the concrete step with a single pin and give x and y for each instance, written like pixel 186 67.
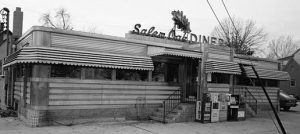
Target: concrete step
pixel 177 115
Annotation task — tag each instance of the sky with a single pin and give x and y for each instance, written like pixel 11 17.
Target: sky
pixel 117 17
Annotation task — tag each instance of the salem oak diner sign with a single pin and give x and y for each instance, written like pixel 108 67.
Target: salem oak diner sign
pixel 180 22
pixel 171 35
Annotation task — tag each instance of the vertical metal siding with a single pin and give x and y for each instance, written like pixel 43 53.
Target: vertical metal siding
pixel 27 39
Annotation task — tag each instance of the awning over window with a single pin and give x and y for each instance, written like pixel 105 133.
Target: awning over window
pixel 266 74
pixel 50 55
pixel 155 51
pixel 213 66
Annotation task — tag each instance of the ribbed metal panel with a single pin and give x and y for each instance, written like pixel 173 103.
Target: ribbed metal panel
pixel 62 93
pixel 219 51
pixel 266 74
pixel 259 94
pixel 96 44
pixel 80 58
pixel 218 56
pixel 262 64
pixel 154 51
pixel 19 90
pixel 26 40
pixel 213 66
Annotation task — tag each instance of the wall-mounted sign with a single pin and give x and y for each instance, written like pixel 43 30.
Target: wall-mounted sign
pixel 171 35
pixel 182 23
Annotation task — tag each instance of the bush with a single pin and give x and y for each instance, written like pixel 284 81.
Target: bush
pixel 8 113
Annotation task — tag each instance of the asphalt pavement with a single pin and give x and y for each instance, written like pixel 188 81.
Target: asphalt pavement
pixel 258 125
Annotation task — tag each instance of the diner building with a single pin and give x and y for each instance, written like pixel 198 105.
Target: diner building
pixel 62 76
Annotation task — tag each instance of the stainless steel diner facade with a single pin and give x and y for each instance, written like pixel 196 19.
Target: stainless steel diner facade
pixel 61 75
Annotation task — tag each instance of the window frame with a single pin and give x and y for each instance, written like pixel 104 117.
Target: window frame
pixel 293 85
pixel 68 76
pixel 1 68
pixel 132 75
pixel 220 78
pixel 94 76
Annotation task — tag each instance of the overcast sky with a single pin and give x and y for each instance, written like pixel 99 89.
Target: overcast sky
pixel 117 17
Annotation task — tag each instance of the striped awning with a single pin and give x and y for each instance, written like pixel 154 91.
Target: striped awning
pixel 214 66
pixel 155 51
pixel 266 74
pixel 48 55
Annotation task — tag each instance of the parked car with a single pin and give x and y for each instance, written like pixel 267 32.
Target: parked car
pixel 287 101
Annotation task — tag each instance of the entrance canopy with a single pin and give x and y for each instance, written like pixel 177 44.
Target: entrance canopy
pixel 155 51
pixel 266 74
pixel 48 55
pixel 214 66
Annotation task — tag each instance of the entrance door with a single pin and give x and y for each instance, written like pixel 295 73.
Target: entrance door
pixel 191 79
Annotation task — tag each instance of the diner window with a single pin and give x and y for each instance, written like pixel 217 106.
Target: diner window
pixel 293 83
pixel 98 73
pixel 242 80
pixel 272 83
pixel 1 69
pixel 19 71
pixel 172 72
pixel 65 71
pixel 219 78
pixel 158 74
pixel 257 83
pixel 132 75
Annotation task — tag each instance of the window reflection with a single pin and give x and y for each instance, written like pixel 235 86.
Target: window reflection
pixel 220 78
pixel 98 73
pixel 165 72
pixel 132 75
pixel 65 71
pixel 158 73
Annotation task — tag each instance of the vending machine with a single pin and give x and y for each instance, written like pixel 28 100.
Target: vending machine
pixel 198 111
pixel 242 108
pixel 206 108
pixel 233 108
pixel 215 111
pixel 237 108
pixel 223 99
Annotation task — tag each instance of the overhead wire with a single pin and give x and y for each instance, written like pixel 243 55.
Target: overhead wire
pixel 250 62
pixel 231 45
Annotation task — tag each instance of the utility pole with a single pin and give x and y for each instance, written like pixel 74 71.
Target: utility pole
pixel 202 73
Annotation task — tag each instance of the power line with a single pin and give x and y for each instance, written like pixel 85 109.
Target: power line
pixel 230 17
pixel 216 16
pixel 278 119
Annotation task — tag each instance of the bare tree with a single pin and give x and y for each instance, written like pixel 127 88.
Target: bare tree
pixel 60 20
pixel 282 47
pixel 243 36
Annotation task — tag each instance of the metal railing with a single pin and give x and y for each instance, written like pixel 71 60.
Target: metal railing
pixel 251 100
pixel 171 103
pixel 191 93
